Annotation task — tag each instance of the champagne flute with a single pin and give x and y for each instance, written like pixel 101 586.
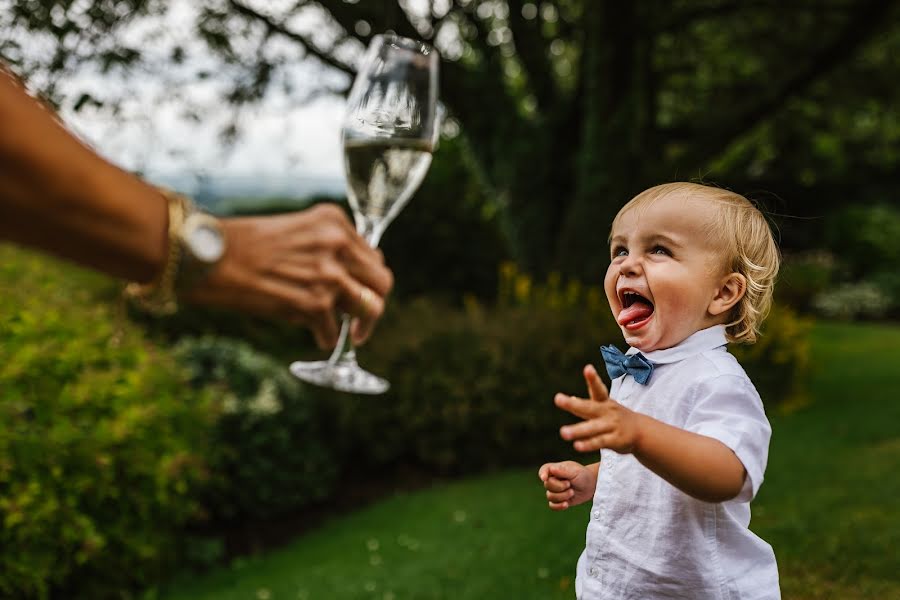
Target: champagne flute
pixel 389 132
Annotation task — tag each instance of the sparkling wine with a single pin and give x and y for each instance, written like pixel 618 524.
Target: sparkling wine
pixel 383 174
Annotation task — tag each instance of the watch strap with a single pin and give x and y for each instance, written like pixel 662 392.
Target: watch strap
pixel 158 297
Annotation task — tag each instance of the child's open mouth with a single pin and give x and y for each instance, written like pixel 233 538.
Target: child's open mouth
pixel 636 310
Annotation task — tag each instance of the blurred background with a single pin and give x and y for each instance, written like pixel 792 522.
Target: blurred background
pixel 176 457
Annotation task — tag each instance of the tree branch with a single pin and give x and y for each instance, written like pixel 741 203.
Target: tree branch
pixel 866 20
pixel 682 20
pixel 277 27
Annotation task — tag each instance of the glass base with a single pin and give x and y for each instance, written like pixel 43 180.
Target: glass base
pixel 344 375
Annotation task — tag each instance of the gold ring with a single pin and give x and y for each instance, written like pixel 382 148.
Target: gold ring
pixel 366 296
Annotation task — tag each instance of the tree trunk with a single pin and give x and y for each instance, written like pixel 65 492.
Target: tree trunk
pixel 608 165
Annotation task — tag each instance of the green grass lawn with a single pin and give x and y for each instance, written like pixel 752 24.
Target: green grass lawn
pixel 828 507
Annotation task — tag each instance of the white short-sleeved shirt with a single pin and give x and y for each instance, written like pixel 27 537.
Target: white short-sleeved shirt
pixel 646 539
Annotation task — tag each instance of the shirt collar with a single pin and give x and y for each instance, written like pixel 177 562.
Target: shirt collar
pixel 701 341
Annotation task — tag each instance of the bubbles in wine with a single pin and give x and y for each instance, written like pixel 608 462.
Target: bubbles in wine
pixel 383 174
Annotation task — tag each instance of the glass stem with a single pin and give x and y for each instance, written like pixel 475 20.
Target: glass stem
pixel 344 350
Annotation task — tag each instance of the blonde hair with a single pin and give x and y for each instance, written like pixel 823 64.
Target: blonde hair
pixel 747 244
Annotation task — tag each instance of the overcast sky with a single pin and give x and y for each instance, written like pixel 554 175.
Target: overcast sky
pixel 281 136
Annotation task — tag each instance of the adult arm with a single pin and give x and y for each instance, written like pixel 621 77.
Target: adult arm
pixel 58 195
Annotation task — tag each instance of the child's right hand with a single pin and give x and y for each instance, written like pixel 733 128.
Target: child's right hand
pixel 568 483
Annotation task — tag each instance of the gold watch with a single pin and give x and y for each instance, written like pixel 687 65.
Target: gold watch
pixel 196 245
pixel 202 247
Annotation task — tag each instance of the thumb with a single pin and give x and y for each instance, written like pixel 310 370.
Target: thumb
pixel 544 472
pixel 565 470
pixel 596 387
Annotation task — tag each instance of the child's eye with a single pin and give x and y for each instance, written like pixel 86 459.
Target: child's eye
pixel 619 251
pixel 661 250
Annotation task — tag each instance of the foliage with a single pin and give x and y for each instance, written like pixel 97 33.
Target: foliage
pixel 468 386
pixel 114 459
pixel 866 238
pixel 269 454
pixel 803 276
pixel 853 300
pixel 778 363
pixel 102 445
pixel 446 242
pixel 856 276
pixel 493 537
pixel 568 108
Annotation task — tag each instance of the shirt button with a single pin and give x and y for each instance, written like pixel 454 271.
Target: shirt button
pixel 595 572
pixel 596 514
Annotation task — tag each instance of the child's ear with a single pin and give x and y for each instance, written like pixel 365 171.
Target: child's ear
pixel 731 289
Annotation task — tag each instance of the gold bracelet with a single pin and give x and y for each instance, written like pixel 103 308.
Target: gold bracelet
pixel 158 297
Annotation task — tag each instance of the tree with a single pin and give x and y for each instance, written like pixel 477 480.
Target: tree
pixel 569 107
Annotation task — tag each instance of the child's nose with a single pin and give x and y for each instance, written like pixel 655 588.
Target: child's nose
pixel 630 266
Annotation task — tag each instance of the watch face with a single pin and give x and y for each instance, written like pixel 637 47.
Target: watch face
pixel 207 243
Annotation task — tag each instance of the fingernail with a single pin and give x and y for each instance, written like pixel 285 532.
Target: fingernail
pixel 564 432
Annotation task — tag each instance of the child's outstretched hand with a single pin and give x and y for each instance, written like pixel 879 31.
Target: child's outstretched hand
pixel 568 483
pixel 606 424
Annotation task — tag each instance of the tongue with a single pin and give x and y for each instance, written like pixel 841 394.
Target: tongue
pixel 636 312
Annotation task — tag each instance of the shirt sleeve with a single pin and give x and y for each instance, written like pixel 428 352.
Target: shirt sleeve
pixel 728 408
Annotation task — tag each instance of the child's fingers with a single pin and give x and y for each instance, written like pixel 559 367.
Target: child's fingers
pixel 557 485
pixel 559 497
pixel 558 505
pixel 544 472
pixel 566 470
pixel 584 429
pixel 586 409
pixel 596 387
pixel 592 444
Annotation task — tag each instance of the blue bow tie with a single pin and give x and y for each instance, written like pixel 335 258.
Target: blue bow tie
pixel 618 364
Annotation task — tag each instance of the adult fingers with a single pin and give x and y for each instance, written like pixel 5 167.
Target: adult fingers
pixel 311 306
pixel 361 328
pixel 335 286
pixel 366 265
pixel 596 387
pixel 586 409
pixel 331 229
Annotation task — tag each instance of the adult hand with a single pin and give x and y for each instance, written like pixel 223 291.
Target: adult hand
pixel 303 267
pixel 606 424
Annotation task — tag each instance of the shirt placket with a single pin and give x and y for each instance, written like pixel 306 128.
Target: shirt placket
pixel 599 519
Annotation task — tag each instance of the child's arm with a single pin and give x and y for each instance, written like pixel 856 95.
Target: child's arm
pixel 568 483
pixel 698 465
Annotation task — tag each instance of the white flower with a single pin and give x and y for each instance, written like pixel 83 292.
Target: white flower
pixel 266 401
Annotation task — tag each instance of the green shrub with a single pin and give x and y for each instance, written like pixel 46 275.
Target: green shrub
pixel 472 388
pixel 778 363
pixel 447 241
pixel 803 277
pixel 888 281
pixel 865 237
pixel 853 301
pixel 269 456
pixel 102 442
